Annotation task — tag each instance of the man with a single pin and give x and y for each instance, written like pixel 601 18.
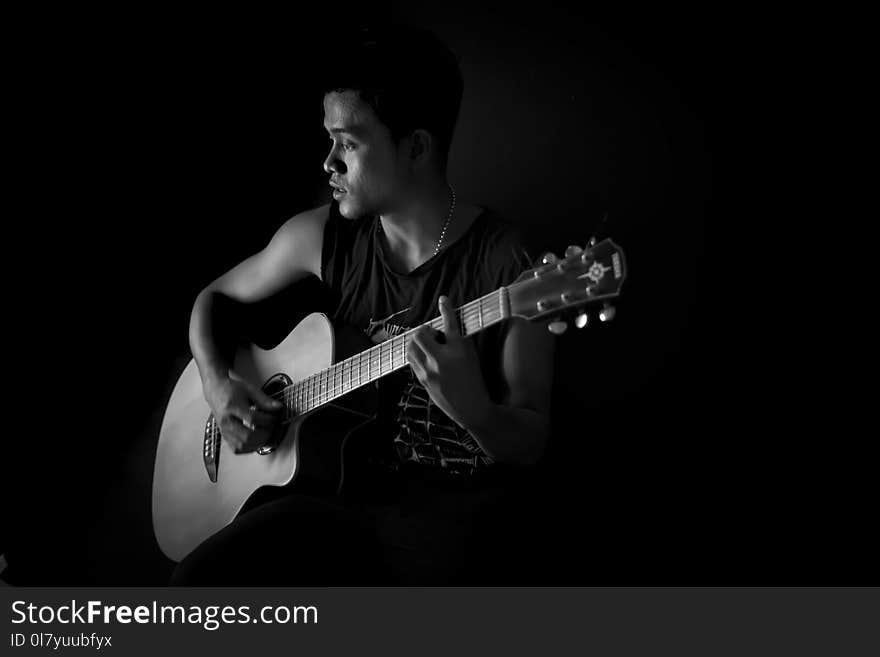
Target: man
pixel 395 248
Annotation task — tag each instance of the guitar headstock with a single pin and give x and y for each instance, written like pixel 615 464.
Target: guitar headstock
pixel 560 285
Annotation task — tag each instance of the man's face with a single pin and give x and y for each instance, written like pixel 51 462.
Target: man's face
pixel 363 160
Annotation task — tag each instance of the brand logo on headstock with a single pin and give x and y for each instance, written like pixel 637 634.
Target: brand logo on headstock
pixel 596 272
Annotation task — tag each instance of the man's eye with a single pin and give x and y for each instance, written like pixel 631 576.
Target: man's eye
pixel 346 145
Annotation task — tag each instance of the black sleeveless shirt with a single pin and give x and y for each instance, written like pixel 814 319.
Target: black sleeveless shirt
pixel 368 294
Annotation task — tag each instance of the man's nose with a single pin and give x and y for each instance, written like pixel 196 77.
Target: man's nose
pixel 333 164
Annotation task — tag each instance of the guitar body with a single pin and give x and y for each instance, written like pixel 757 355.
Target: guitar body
pixel 200 484
pixel 188 506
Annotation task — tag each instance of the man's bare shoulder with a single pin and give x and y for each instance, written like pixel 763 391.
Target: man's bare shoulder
pixel 307 221
pixel 300 239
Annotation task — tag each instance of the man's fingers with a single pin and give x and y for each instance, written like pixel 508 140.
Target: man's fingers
pixel 244 416
pixel 263 420
pixel 254 441
pixel 416 359
pixel 241 438
pixel 232 432
pixel 423 343
pixel 450 318
pixel 252 418
pixel 263 400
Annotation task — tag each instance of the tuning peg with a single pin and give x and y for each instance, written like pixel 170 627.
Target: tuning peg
pixel 582 320
pixel 549 258
pixel 607 313
pixel 573 250
pixel 557 328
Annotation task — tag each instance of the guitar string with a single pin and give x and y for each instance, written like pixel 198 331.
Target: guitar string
pixel 326 394
pixel 349 374
pixel 305 387
pixel 331 380
pixel 288 395
pixel 379 352
pixel 304 390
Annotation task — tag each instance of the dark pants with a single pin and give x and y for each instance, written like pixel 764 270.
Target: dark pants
pixel 415 531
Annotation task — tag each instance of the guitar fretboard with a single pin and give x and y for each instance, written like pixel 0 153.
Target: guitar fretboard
pixel 370 365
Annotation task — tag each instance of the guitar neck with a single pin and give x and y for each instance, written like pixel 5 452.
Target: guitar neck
pixel 383 359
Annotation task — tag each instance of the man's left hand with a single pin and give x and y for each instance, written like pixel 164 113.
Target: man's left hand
pixel 448 367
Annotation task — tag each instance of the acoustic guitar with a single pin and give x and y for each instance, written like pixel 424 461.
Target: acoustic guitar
pixel 200 484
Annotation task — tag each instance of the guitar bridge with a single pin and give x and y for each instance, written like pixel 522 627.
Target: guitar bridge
pixel 211 449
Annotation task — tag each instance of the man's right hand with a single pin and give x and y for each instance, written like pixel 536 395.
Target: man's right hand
pixel 245 414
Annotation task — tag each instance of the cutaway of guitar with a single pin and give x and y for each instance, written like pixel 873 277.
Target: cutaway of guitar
pixel 193 500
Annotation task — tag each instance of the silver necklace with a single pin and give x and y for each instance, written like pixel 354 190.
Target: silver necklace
pixel 446 223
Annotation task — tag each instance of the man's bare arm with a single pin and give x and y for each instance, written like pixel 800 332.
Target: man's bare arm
pixel 516 430
pixel 293 253
pixel 513 432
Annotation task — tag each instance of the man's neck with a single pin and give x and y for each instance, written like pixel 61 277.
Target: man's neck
pixel 413 229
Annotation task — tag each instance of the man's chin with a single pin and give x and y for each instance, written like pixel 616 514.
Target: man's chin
pixel 349 210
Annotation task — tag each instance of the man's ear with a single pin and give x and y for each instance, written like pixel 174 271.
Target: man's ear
pixel 421 147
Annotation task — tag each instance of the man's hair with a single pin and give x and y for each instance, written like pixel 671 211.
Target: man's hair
pixel 406 74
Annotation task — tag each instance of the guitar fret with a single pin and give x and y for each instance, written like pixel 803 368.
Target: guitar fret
pixel 384 358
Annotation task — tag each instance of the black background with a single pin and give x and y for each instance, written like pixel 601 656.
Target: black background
pixel 156 151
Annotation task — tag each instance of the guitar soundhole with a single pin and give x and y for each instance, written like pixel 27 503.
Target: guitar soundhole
pixel 274 388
